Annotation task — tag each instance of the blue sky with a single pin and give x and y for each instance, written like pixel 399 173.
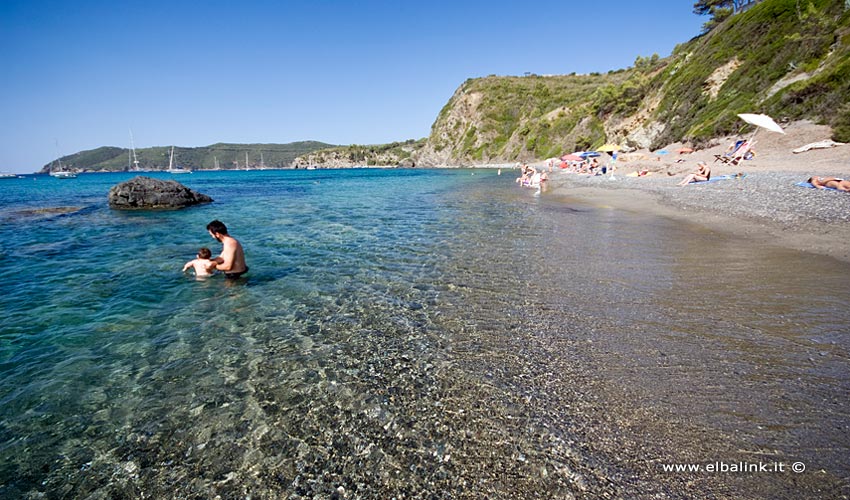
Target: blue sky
pixel 81 74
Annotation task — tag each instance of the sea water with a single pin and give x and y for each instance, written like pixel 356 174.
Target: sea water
pixel 403 332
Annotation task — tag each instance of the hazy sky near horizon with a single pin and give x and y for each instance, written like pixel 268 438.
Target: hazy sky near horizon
pixel 78 75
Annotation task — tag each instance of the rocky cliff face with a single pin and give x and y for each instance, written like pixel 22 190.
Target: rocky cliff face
pixel 459 119
pixel 507 119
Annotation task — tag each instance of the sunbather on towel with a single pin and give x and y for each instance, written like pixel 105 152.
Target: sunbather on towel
pixel 703 173
pixel 829 182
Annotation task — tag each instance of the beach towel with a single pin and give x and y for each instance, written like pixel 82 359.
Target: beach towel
pixel 719 178
pixel 810 185
pixel 817 145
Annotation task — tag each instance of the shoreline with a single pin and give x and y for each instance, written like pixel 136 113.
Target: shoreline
pixel 766 207
pixel 764 204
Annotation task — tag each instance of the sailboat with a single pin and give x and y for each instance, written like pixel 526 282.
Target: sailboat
pixel 132 161
pixel 178 170
pixel 63 174
pixel 60 172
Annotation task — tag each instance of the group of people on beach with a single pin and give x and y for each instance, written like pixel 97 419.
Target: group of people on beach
pixel 743 150
pixel 531 177
pixel 703 173
pixel 589 166
pixel 231 261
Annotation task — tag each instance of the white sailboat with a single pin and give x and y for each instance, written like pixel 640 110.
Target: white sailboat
pixel 60 172
pixel 63 174
pixel 132 161
pixel 178 170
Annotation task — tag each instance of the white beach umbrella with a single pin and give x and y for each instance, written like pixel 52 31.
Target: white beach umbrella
pixel 760 121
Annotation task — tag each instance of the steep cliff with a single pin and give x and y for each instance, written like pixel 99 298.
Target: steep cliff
pixel 497 119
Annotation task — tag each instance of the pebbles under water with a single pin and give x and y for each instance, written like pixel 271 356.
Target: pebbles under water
pixel 412 334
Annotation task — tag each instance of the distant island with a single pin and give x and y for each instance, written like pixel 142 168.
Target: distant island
pixel 220 156
pixel 294 155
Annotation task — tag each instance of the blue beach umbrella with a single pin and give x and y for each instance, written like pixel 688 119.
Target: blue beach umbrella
pixel 589 154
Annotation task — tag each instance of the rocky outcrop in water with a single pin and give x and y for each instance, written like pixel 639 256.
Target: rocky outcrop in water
pixel 145 193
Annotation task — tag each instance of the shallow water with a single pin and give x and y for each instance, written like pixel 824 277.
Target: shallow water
pixel 409 333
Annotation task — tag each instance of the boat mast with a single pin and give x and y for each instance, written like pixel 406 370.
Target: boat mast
pixel 133 151
pixel 58 155
pixel 246 160
pixel 171 159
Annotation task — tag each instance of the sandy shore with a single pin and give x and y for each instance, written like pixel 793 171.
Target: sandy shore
pixel 765 204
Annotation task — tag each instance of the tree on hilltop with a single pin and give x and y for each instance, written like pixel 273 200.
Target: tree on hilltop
pixel 719 10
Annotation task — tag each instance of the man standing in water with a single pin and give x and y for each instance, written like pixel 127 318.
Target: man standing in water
pixel 232 258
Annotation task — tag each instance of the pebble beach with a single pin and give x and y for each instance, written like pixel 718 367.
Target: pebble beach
pixel 764 202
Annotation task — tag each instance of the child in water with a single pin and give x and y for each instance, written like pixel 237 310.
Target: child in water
pixel 203 265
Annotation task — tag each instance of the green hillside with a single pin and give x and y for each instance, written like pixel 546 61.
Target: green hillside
pixel 772 44
pixel 228 156
pixel 507 117
pixel 392 154
pixel 786 58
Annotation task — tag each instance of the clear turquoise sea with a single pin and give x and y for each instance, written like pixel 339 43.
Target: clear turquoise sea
pixel 408 333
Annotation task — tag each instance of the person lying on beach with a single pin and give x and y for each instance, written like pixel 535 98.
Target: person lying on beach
pixel 203 265
pixel 702 173
pixel 830 182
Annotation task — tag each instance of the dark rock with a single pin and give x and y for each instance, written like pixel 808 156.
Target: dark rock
pixel 143 193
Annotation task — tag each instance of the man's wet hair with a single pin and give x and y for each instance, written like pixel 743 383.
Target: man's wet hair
pixel 217 226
